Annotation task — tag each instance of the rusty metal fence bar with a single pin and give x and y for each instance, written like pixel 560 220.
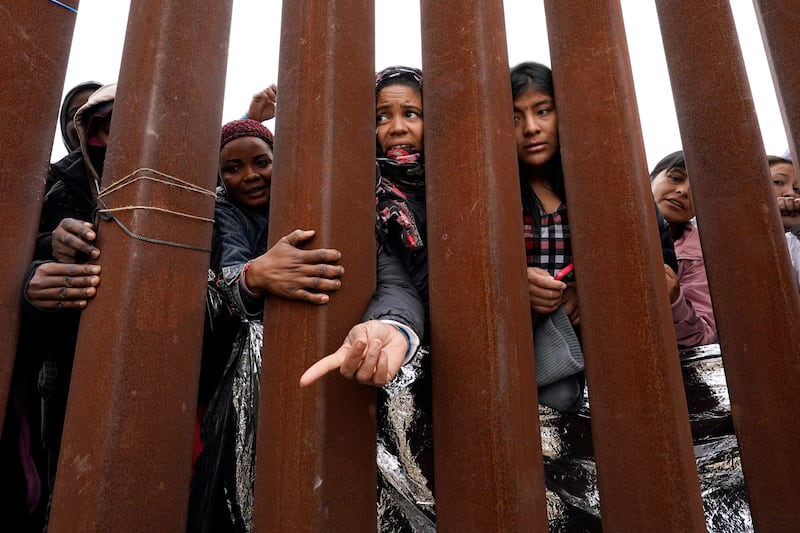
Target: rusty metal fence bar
pixel 777 20
pixel 125 462
pixel 35 40
pixel 316 447
pixel 744 248
pixel 487 449
pixel 642 441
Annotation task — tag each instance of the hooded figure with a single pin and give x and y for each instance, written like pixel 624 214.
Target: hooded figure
pixel 48 337
pixel 74 100
pixel 73 181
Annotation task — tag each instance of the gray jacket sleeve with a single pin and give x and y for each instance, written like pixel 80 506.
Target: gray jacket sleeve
pixel 396 297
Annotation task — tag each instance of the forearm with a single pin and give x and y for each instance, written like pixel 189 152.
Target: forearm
pixel 232 286
pixel 396 297
pixel 691 329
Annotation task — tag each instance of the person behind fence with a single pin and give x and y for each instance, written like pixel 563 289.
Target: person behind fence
pixel 389 348
pixel 690 299
pixel 23 457
pixel 74 100
pixel 551 283
pixel 64 276
pixel 396 318
pixel 787 187
pixel 242 272
pixel 553 300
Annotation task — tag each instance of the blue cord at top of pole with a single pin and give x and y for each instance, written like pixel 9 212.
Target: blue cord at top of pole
pixel 65 6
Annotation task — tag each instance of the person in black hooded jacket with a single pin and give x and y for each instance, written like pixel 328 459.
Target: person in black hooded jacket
pixel 60 283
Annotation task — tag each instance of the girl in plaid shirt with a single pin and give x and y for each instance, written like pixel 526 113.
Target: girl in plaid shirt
pixel 547 239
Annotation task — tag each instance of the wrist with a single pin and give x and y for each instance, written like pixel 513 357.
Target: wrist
pixel 247 288
pixel 412 339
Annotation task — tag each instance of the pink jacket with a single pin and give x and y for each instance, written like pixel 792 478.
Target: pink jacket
pixel 692 314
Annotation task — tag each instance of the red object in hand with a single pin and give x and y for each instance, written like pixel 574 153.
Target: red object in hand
pixel 566 273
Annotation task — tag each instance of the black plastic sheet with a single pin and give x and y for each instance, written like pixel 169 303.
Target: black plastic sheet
pixel 222 486
pixel 405 446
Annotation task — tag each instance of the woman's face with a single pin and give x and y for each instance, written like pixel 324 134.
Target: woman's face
pixel 673 195
pixel 535 128
pixel 398 118
pixel 784 180
pixel 245 165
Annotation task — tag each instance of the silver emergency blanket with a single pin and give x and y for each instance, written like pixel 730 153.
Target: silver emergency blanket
pixel 405 450
pixel 222 485
pixel 405 500
pixel 246 383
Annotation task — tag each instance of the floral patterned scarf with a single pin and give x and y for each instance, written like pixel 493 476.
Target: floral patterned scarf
pixel 399 170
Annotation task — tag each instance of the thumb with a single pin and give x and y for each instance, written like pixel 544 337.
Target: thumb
pixel 298 236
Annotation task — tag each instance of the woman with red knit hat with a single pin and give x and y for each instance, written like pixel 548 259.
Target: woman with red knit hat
pixel 242 272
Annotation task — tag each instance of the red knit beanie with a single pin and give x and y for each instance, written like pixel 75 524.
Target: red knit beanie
pixel 244 128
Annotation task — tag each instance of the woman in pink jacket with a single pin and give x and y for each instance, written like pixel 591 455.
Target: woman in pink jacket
pixel 692 314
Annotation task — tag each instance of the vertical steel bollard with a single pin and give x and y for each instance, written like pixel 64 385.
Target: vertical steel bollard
pixel 778 19
pixel 35 40
pixel 316 466
pixel 642 441
pixel 489 474
pixel 745 253
pixel 126 451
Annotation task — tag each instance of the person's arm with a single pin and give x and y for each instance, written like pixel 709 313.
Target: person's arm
pixel 72 241
pixel 64 231
pixel 375 349
pixel 232 248
pixel 53 286
pixel 285 270
pixel 569 299
pixel 263 105
pixel 291 272
pixel 396 298
pixel 232 240
pixel 690 302
pixel 667 244
pixel 544 291
pixel 372 354
pixel 790 212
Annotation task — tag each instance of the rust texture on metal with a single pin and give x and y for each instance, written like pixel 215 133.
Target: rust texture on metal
pixel 34 42
pixel 755 298
pixel 642 441
pixel 777 20
pixel 316 451
pixel 125 460
pixel 489 474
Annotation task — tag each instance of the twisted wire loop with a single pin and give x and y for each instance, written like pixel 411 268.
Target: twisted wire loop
pixel 149 174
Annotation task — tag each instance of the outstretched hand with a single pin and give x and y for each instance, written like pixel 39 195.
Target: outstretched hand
pixel 372 354
pixel 63 285
pixel 72 241
pixel 264 103
pixel 291 272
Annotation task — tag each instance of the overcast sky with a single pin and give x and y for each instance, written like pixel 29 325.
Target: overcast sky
pixel 255 39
